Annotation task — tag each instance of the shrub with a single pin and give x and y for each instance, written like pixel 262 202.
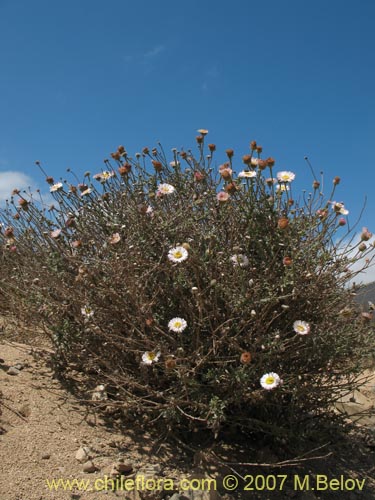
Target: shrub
pixel 200 297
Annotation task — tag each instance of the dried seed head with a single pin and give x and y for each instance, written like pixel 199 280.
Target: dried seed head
pixel 283 223
pixel 157 165
pixel 231 188
pixel 170 364
pixel 116 155
pixel 245 358
pixel 124 169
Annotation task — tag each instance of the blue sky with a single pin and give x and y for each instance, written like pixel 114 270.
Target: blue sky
pixel 78 78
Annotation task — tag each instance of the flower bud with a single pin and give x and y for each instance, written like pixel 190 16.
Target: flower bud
pixel 198 176
pixel 366 235
pixel 245 358
pixel 226 173
pixel 283 223
pixel 157 165
pixel 116 156
pixel 170 364
pixel 124 169
pixel 24 204
pixel 231 187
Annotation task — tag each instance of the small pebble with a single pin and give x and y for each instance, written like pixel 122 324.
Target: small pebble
pixel 89 467
pixel 13 371
pixel 83 454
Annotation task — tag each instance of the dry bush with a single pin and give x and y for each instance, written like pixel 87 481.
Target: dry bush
pixel 253 259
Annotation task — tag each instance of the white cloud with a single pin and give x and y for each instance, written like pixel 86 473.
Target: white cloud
pixel 12 179
pixel 155 51
pixel 368 274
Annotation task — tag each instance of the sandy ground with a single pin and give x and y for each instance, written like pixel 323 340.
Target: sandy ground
pixel 43 426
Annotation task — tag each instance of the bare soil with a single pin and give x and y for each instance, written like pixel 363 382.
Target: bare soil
pixel 42 426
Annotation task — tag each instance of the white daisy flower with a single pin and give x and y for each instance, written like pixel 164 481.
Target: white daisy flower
pixel 149 210
pixel 178 254
pixel 87 311
pixel 104 176
pixel 255 161
pixel 150 357
pixel 282 187
pixel 247 174
pixel 339 208
pixel 301 327
pixel 86 192
pixel 240 260
pixel 99 393
pixel 177 325
pixel 270 381
pixel 56 187
pixel 165 189
pixel 107 174
pixel 174 164
pixel 285 176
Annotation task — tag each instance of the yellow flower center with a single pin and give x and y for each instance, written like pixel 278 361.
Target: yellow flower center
pixel 285 177
pixel 151 356
pixel 300 328
pixel 178 324
pixel 270 380
pixel 178 254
